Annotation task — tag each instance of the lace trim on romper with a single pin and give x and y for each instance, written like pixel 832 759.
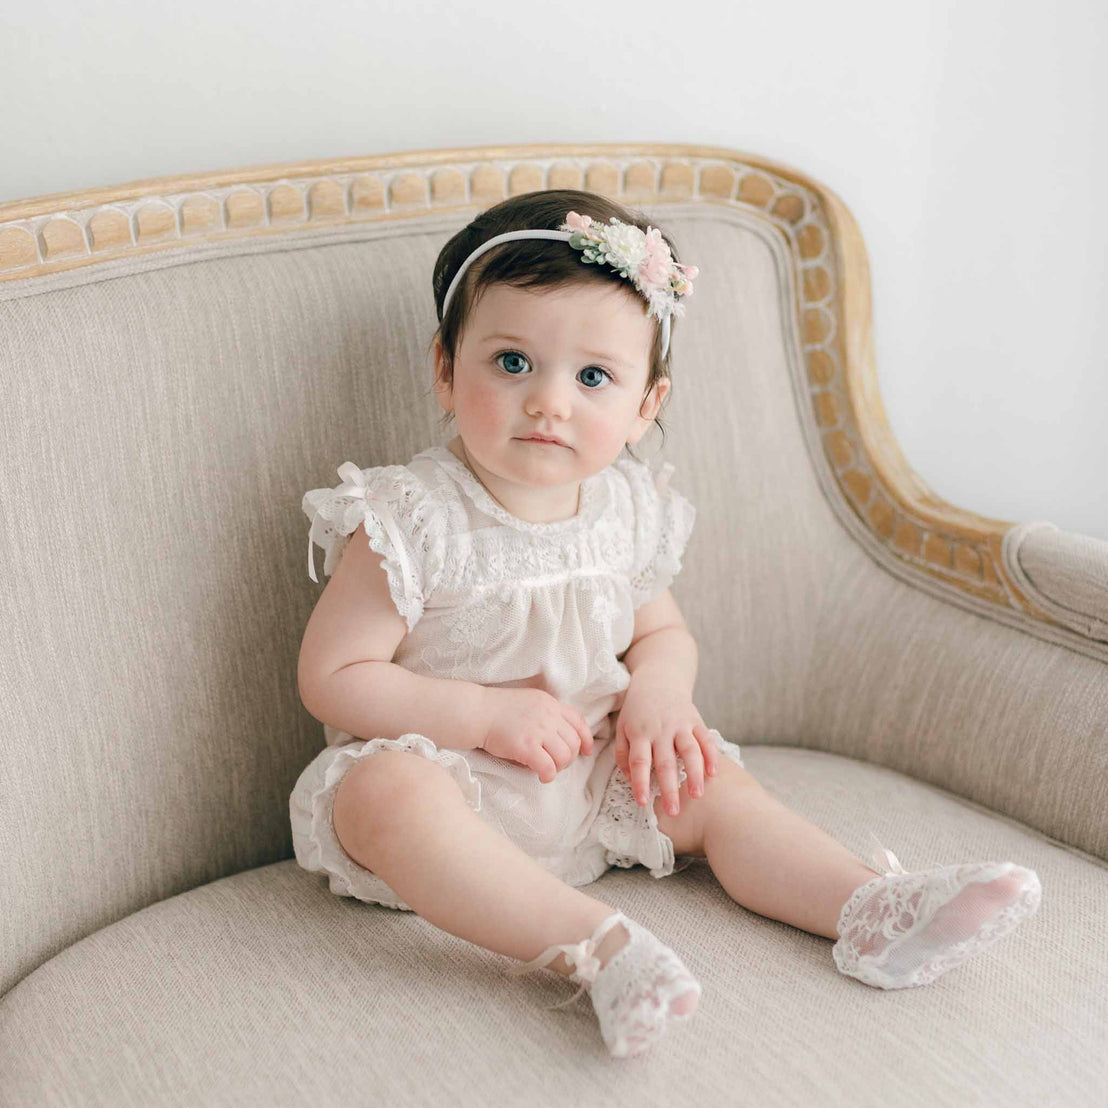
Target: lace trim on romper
pixel 622 820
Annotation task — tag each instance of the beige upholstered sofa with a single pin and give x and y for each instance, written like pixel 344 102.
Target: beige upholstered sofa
pixel 183 358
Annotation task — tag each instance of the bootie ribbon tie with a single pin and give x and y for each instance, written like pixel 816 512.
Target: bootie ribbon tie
pixel 354 486
pixel 581 955
pixel 885 858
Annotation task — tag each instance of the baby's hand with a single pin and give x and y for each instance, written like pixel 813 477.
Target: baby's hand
pixel 655 724
pixel 535 729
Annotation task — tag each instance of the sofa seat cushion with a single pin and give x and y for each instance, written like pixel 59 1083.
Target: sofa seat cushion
pixel 264 987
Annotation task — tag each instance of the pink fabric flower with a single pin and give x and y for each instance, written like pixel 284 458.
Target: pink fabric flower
pixel 643 256
pixel 655 269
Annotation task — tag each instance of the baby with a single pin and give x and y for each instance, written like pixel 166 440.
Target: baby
pixel 505 680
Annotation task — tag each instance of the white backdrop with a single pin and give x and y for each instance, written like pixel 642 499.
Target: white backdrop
pixel 967 137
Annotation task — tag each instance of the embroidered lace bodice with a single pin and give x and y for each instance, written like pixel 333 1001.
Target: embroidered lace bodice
pixel 501 601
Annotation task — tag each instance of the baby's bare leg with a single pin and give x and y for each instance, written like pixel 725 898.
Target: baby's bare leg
pixel 771 860
pixel 404 818
pixel 774 862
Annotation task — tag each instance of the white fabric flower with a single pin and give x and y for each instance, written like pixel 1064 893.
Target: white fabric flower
pixel 641 256
pixel 626 247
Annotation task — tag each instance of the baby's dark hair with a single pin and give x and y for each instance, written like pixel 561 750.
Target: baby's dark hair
pixel 532 263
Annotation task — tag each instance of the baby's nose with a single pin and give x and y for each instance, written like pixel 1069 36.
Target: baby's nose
pixel 550 400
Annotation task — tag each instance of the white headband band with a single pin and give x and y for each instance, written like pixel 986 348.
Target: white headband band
pixel 510 236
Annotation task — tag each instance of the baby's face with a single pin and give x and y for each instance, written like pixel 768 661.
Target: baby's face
pixel 570 363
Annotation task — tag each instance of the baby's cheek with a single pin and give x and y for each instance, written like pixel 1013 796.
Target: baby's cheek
pixel 598 439
pixel 485 409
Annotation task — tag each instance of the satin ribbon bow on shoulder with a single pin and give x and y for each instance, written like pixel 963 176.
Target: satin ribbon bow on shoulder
pixel 355 489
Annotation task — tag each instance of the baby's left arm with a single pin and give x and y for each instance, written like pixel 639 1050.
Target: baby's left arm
pixel 658 718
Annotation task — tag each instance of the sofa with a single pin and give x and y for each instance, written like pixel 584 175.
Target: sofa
pixel 183 357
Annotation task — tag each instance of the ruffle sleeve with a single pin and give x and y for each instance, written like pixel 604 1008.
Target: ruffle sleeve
pixel 663 521
pixel 404 523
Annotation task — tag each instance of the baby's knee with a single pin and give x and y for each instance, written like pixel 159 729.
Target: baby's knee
pixel 374 794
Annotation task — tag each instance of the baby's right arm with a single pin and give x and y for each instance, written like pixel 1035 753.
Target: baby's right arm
pixel 346 676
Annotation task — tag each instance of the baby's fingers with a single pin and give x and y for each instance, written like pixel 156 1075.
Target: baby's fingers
pixel 708 749
pixel 694 761
pixel 621 755
pixel 639 759
pixel 544 765
pixel 581 727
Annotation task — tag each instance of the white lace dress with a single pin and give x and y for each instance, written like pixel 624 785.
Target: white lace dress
pixel 504 602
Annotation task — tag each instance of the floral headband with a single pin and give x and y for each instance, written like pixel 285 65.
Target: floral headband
pixel 643 257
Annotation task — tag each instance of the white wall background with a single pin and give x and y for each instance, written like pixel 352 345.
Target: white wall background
pixel 967 136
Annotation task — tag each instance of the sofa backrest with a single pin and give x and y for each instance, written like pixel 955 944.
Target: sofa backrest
pixel 183 360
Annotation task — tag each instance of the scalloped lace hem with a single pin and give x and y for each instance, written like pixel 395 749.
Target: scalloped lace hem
pixel 311 804
pixel 670 517
pixel 403 581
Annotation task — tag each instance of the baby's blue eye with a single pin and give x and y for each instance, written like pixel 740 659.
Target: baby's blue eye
pixel 512 361
pixel 596 369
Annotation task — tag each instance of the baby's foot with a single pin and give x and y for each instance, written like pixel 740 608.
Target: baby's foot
pixel 641 987
pixel 904 929
pixel 636 983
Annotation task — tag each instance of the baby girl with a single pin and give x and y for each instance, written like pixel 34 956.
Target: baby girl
pixel 506 681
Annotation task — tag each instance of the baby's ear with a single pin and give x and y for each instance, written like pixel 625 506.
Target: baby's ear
pixel 654 398
pixel 441 363
pixel 443 386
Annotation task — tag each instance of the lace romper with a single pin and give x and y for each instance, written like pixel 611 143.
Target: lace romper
pixel 503 602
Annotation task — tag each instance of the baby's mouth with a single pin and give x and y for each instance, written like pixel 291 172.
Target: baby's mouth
pixel 542 442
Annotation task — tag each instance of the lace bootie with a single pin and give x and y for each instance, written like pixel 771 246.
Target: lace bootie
pixel 632 993
pixel 904 929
